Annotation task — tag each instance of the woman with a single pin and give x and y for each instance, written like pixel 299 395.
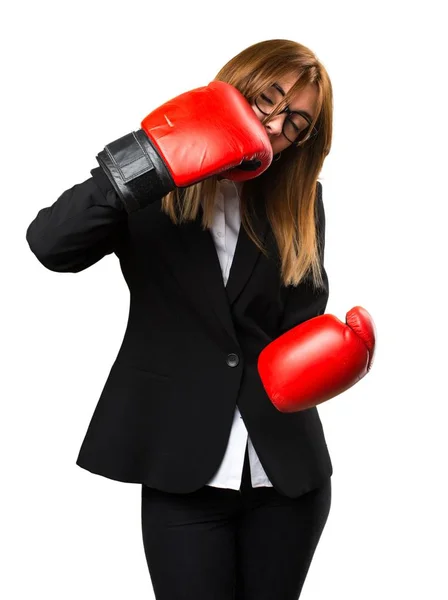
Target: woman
pixel 235 494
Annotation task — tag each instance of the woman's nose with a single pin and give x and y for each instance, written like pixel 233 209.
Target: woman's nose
pixel 275 125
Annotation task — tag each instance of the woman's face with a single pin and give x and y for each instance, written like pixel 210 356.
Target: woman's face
pixel 305 100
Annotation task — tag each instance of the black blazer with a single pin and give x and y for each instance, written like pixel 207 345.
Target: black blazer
pixel 190 350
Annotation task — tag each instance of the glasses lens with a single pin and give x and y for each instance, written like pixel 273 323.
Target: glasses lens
pixel 268 100
pixel 296 128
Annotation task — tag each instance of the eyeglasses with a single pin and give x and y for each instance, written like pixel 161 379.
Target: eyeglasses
pixel 296 126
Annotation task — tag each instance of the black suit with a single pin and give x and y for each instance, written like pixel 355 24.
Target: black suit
pixel 191 346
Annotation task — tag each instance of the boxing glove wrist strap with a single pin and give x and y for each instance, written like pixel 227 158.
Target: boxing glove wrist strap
pixel 136 171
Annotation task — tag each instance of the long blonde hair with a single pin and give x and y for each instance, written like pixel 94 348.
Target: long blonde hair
pixel 289 186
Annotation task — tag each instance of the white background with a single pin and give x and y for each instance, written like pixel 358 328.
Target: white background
pixel 77 76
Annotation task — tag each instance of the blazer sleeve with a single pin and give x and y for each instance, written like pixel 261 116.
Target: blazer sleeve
pixel 85 223
pixel 304 302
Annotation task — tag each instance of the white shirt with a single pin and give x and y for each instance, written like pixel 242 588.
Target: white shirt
pixel 226 226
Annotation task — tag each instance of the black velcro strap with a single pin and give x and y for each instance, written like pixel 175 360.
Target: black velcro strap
pixel 136 170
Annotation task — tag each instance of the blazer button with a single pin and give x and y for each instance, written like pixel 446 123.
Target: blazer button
pixel 232 359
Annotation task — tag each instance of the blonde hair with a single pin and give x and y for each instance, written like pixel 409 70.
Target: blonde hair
pixel 289 187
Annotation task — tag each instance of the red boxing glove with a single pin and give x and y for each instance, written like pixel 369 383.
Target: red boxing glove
pixel 207 131
pixel 317 360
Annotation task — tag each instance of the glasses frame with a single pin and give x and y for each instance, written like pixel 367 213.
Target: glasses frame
pixel 289 112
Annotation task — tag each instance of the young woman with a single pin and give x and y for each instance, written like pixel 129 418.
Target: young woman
pixel 215 213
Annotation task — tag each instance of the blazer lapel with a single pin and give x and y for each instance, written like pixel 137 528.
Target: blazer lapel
pixel 246 255
pixel 194 261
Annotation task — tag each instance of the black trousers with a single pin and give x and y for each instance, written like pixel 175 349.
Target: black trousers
pixel 224 544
